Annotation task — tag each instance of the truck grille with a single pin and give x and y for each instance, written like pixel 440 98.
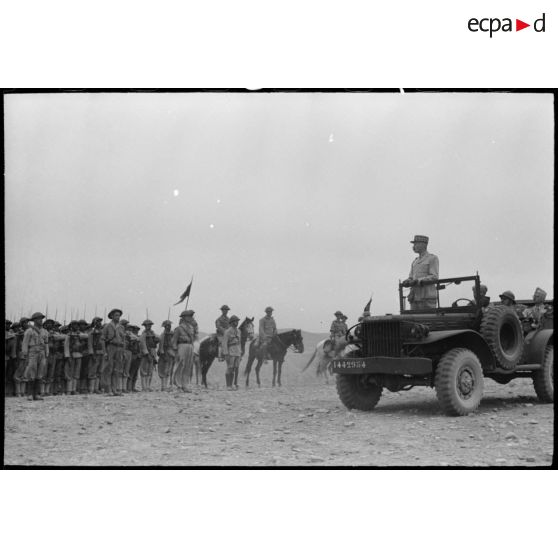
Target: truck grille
pixel 382 338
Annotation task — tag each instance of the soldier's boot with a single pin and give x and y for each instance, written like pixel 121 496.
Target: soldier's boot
pixel 18 389
pixel 48 386
pixel 39 390
pixel 143 385
pixel 228 380
pixel 163 384
pixel 91 386
pixel 30 390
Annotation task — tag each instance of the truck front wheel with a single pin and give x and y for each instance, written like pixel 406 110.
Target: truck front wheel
pixel 358 392
pixel 459 382
pixel 543 380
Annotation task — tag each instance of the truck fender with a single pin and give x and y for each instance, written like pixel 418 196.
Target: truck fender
pixel 443 341
pixel 535 345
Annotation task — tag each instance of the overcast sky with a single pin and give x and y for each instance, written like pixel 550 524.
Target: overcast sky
pixel 305 202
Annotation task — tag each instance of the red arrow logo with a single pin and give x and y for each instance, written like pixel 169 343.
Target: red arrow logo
pixel 519 25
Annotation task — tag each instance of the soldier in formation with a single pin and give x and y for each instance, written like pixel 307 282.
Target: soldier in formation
pixel 35 351
pixel 132 332
pixel 166 354
pixel 114 337
pixel 148 345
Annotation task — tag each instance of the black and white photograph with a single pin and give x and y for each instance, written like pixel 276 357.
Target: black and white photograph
pixel 279 278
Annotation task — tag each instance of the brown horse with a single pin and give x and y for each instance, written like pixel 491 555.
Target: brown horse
pixel 276 349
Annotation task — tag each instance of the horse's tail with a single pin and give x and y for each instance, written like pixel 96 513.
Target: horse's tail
pixel 310 361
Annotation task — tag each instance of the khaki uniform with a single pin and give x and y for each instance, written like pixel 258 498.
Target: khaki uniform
pixel 114 338
pixel 267 329
pixel 97 354
pixel 232 353
pixel 424 267
pixel 182 343
pixel 166 355
pixel 148 347
pixel 20 364
pixel 221 325
pixel 35 346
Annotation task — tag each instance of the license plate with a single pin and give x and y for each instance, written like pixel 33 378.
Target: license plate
pixel 349 364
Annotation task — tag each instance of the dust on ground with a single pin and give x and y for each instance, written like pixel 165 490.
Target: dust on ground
pixel 302 423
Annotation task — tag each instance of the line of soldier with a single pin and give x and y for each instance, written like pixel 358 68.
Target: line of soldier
pixel 47 358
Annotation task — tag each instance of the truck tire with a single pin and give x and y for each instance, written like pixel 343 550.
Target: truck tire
pixel 543 380
pixel 459 382
pixel 501 329
pixel 356 392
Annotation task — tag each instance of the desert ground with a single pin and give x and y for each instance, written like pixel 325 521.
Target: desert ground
pixel 300 424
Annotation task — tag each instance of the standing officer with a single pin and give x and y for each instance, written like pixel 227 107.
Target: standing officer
pixel 166 355
pixel 424 269
pixel 534 315
pixel 73 355
pixel 148 347
pixel 267 329
pixel 97 355
pixel 21 361
pixel 182 343
pixel 338 331
pixel 134 347
pixel 232 352
pixel 113 336
pixel 221 325
pixel 35 350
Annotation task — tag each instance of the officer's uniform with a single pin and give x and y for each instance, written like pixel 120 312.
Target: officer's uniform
pixel 148 347
pixel 232 351
pixel 126 355
pixel 166 355
pixel 424 268
pixel 97 354
pixel 182 343
pixel 35 346
pixel 73 354
pixel 114 338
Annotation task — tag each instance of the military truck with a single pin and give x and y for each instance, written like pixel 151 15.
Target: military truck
pixel 452 348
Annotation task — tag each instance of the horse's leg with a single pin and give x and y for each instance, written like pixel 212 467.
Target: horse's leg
pixel 248 368
pixel 258 366
pixel 279 367
pixel 274 372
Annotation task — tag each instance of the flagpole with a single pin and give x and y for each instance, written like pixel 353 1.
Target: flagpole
pixel 168 315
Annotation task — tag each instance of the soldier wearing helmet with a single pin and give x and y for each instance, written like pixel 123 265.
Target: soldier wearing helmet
pixel 423 274
pixel 148 348
pixel 338 330
pixel 267 330
pixel 97 355
pixel 232 352
pixel 221 325
pixel 114 338
pixel 73 355
pixel 166 355
pixel 132 333
pixel 507 298
pixel 10 359
pixel 21 361
pixel 534 315
pixel 182 343
pixel 35 350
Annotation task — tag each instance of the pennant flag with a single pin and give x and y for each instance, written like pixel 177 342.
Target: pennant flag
pixel 185 293
pixel 367 307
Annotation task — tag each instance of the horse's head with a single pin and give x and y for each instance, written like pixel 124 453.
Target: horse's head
pixel 247 328
pixel 297 341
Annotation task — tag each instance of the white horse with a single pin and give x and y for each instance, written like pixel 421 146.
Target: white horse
pixel 324 353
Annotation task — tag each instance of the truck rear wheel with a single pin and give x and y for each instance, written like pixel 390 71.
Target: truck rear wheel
pixel 459 382
pixel 501 329
pixel 358 392
pixel 543 380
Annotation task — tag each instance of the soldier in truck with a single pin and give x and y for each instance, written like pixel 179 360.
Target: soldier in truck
pixel 424 270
